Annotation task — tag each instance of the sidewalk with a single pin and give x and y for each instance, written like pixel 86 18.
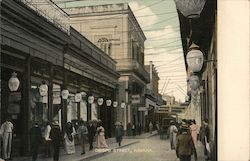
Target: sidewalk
pixel 127 140
pixel 142 136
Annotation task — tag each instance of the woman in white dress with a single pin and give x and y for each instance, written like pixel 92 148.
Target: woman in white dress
pixel 69 139
pixel 101 142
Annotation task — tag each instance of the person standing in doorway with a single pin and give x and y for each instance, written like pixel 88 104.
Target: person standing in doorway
pixel 47 140
pixel 91 134
pixel 82 132
pixel 7 130
pixel 56 139
pixel 35 140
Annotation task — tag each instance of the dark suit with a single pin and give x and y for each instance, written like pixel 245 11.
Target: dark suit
pixel 185 147
pixel 56 137
pixel 91 134
pixel 35 140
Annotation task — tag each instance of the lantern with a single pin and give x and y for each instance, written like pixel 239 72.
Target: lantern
pixel 115 104
pixel 190 8
pixel 123 105
pixel 195 60
pixel 100 101
pixel 78 97
pixel 108 102
pixel 43 89
pixel 91 99
pixel 65 94
pixel 13 82
pixel 194 82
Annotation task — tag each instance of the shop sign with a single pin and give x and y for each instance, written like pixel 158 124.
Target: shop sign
pixel 13 108
pixel 15 96
pixel 135 99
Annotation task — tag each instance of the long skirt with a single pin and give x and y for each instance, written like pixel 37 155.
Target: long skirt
pixel 101 142
pixel 69 145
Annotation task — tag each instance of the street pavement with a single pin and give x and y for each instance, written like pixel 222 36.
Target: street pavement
pixel 146 147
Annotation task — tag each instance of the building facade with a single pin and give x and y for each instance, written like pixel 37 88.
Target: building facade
pixel 115 30
pixel 49 56
pixel 152 94
pixel 201 31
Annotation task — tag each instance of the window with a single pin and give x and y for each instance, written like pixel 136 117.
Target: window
pixel 57 112
pixel 105 45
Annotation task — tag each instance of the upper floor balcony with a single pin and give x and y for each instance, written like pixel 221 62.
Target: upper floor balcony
pixel 129 64
pixel 50 11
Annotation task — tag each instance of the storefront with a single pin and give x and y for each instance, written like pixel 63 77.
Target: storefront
pixel 35 51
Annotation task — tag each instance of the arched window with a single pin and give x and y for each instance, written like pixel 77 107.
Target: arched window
pixel 105 45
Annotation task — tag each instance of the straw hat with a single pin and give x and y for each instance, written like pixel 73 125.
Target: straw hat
pixel 55 123
pixel 118 123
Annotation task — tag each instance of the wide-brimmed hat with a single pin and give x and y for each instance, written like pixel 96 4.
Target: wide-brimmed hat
pixel 184 127
pixel 118 123
pixel 55 123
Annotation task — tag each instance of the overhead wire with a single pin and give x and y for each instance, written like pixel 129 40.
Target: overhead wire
pixel 155 3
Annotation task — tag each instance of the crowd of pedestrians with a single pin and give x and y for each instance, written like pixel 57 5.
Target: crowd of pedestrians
pixel 53 137
pixel 184 137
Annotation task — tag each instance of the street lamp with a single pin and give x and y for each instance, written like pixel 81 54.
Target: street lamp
pixel 108 102
pixel 65 94
pixel 115 104
pixel 100 101
pixel 123 105
pixel 43 89
pixel 194 58
pixel 13 82
pixel 190 8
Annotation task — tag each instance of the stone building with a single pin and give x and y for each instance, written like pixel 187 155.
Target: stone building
pixel 115 30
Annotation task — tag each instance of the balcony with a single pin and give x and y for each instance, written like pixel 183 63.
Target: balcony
pixel 129 64
pixel 49 10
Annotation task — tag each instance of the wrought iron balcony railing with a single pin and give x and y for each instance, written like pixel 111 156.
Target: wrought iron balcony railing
pixel 49 10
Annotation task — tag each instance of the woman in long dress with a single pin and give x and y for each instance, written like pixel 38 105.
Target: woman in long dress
pixel 194 131
pixel 69 139
pixel 101 142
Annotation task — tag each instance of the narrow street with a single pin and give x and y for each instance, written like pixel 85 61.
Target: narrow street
pixel 141 148
pixel 148 149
